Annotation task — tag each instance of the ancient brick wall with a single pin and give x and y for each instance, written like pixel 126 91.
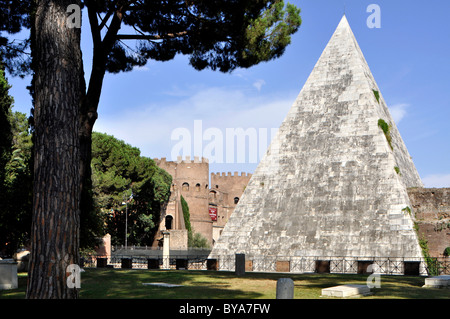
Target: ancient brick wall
pixel 232 184
pixel 431 208
pixel 191 179
pixel 225 193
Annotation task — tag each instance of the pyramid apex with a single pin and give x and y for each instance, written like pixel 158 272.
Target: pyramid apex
pixel 343 23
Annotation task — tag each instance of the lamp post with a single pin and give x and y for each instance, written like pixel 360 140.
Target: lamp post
pixel 126 223
pixel 126 216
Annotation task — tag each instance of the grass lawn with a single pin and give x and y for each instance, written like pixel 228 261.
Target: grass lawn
pixel 127 284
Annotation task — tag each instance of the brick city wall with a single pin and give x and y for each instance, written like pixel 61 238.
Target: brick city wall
pixel 431 207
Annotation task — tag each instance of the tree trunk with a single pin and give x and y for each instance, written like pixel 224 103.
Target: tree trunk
pixel 89 106
pixel 58 91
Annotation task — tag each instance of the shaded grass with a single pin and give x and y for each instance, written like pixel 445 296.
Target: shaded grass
pixel 127 284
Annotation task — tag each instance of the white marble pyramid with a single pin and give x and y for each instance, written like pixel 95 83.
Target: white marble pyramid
pixel 332 183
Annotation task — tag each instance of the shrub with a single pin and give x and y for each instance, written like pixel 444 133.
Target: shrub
pixel 386 128
pixel 377 95
pixel 447 251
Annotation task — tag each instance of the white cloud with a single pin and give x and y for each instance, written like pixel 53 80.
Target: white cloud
pixel 398 111
pixel 149 127
pixel 437 180
pixel 141 68
pixel 258 84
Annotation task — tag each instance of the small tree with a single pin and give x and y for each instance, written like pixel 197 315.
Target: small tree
pixel 447 252
pixel 198 241
pixel 117 168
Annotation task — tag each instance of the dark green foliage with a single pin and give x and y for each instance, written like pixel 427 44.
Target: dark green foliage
pixel 19 182
pixel 432 265
pixel 383 125
pixel 377 95
pixel 220 35
pixel 186 214
pixel 195 240
pixel 13 16
pixel 92 221
pixel 397 170
pixel 386 130
pixel 118 168
pixel 447 251
pixel 407 210
pixel 15 174
pixel 6 102
pixel 5 153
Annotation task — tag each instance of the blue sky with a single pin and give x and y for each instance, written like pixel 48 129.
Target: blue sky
pixel 408 56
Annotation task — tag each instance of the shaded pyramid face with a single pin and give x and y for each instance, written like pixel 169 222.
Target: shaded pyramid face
pixel 332 182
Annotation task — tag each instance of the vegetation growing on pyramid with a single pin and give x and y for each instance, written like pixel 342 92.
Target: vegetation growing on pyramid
pixel 386 130
pixel 397 170
pixel 377 95
pixel 407 210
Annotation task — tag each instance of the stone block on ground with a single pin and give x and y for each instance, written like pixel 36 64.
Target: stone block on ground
pixel 8 274
pixel 285 288
pixel 442 281
pixel 346 291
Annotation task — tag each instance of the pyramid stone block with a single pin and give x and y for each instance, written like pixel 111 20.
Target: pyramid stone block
pixel 328 184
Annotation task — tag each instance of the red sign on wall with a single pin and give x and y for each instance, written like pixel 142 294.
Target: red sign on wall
pixel 213 213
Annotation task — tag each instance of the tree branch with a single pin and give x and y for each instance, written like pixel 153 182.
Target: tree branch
pixel 95 31
pixel 151 37
pixel 105 19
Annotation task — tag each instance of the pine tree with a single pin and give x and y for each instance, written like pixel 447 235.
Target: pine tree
pixel 220 35
pixel 118 168
pixel 6 102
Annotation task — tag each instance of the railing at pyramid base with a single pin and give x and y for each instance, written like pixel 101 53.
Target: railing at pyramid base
pixel 419 266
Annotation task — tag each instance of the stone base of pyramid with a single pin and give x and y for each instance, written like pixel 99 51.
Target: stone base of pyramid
pixel 327 264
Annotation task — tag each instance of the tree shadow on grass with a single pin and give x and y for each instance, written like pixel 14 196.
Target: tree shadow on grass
pixel 18 293
pixel 124 284
pixel 198 284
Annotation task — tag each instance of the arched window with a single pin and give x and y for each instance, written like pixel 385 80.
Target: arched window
pixel 197 187
pixel 236 200
pixel 212 195
pixel 185 187
pixel 169 220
